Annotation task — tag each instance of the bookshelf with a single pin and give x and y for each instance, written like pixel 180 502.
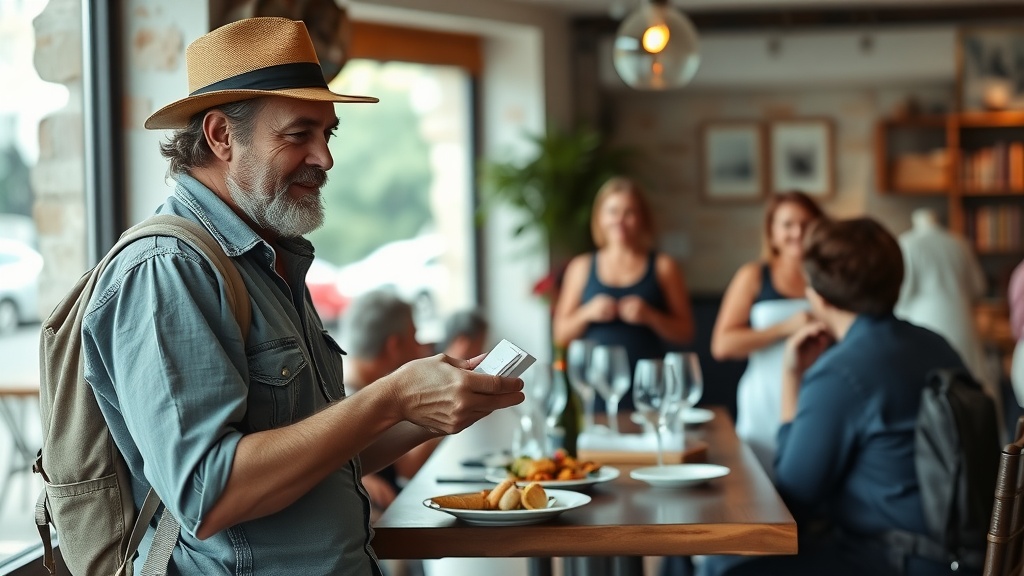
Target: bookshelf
pixel 976 161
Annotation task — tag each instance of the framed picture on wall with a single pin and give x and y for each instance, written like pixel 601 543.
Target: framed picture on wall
pixel 732 161
pixel 802 156
pixel 990 68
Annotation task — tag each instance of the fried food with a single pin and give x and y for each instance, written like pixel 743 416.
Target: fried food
pixel 559 467
pixel 534 497
pixel 494 497
pixel 475 501
pixel 510 499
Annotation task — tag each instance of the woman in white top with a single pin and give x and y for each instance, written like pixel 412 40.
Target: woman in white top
pixel 762 306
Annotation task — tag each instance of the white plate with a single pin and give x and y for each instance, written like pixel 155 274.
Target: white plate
pixel 698 416
pixel 558 501
pixel 602 474
pixel 679 475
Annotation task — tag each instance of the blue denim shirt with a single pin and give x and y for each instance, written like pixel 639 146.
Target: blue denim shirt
pixel 179 386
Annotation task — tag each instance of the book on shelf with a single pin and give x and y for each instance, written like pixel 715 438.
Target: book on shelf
pixel 995 228
pixel 998 167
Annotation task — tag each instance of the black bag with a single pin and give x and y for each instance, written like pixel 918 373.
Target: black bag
pixel 956 455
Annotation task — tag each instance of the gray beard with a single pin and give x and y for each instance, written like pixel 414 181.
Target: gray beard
pixel 273 210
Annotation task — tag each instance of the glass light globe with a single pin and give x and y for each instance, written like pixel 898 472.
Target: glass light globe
pixel 656 48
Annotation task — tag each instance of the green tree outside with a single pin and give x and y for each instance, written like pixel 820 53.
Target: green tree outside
pixel 378 190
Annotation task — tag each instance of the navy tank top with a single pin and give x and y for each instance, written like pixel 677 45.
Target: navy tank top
pixel 639 341
pixel 768 291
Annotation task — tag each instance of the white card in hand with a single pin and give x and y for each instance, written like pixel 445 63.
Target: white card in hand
pixel 506 359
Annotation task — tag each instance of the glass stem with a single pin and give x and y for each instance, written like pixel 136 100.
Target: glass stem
pixel 657 436
pixel 588 410
pixel 613 414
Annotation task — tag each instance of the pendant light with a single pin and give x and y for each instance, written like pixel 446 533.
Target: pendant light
pixel 656 47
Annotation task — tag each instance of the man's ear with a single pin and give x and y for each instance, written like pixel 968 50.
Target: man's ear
pixel 217 131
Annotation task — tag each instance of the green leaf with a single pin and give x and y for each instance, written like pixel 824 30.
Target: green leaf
pixel 555 185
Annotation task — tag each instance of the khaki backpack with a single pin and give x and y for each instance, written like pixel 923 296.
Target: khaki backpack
pixel 87 493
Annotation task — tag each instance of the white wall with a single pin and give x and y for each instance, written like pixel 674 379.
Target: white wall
pixel 816 58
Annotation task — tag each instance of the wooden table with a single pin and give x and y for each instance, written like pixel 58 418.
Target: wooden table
pixel 738 514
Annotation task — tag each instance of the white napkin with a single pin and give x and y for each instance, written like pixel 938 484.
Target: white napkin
pixel 607 442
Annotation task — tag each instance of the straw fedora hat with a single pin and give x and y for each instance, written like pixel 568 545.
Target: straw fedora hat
pixel 248 59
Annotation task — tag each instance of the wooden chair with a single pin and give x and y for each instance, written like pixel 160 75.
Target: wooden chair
pixel 1004 555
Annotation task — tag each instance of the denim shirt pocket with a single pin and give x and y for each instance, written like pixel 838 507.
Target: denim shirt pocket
pixel 274 368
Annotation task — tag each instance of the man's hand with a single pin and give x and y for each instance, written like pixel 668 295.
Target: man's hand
pixel 805 346
pixel 445 396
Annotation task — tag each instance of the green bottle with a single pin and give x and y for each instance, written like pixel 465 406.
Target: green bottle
pixel 571 419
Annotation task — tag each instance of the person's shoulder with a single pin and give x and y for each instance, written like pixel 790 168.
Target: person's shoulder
pixel 579 262
pixel 664 262
pixel 749 274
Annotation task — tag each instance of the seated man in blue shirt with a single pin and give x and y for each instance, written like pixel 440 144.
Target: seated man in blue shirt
pixel 249 439
pixel 852 385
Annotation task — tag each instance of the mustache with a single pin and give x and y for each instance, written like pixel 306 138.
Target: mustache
pixel 310 176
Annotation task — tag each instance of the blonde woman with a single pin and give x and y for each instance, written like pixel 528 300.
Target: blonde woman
pixel 763 305
pixel 625 292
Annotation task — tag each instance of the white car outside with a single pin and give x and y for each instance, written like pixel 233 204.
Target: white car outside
pixel 412 268
pixel 20 267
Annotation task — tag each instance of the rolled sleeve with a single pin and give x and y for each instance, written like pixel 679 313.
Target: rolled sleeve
pixel 174 358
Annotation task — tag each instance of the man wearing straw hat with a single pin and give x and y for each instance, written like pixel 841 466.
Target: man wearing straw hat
pixel 249 439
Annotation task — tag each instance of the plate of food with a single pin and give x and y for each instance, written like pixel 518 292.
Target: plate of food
pixel 679 475
pixel 507 504
pixel 559 471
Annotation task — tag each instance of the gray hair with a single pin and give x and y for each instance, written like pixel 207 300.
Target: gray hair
pixel 187 149
pixel 371 319
pixel 468 323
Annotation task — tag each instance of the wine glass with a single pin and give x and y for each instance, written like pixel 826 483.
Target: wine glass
pixel 609 375
pixel 529 439
pixel 653 390
pixel 577 360
pixel 686 367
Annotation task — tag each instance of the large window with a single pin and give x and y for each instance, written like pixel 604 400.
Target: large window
pixel 40 187
pixel 399 199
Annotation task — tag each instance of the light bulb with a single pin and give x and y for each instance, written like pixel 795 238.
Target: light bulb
pixel 656 48
pixel 655 38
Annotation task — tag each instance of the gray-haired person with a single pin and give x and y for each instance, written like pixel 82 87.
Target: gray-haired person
pixel 249 439
pixel 465 333
pixel 379 336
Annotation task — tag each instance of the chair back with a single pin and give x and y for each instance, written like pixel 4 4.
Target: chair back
pixel 1004 555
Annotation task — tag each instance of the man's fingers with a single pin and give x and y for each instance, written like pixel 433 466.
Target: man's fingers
pixel 487 384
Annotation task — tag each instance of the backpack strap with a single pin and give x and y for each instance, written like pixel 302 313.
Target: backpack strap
pixel 168 530
pixel 199 238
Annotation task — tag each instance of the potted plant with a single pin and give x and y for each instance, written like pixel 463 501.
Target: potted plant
pixel 555 187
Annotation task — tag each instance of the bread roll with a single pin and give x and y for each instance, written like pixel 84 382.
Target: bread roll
pixel 534 497
pixel 494 497
pixel 510 499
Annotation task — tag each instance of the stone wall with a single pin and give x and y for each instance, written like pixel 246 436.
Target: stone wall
pixel 58 178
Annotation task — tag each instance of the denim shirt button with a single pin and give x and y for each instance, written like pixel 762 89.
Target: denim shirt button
pixel 284 372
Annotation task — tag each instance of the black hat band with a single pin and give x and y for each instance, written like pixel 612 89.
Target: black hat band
pixel 278 77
